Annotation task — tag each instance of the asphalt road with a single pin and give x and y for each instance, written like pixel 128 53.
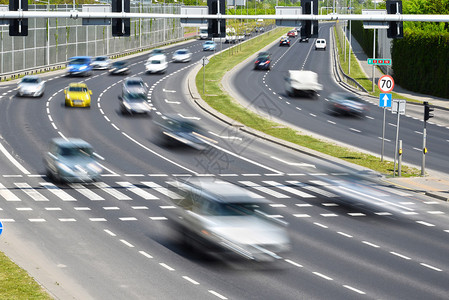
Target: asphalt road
pixel 310 114
pixel 351 236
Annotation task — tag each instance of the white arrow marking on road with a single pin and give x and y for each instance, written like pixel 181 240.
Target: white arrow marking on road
pixel 226 137
pixel 190 118
pixel 172 102
pixel 168 91
pixel 293 164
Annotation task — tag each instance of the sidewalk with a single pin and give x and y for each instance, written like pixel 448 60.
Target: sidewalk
pixel 435 184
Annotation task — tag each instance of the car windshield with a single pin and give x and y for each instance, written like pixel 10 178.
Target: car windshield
pixel 155 62
pixel 181 52
pixel 30 80
pixel 134 83
pixel 70 151
pixel 77 89
pixel 135 97
pixel 231 209
pixel 183 126
pixel 347 98
pixel 119 63
pixel 100 58
pixel 209 43
pixel 157 51
pixel 79 61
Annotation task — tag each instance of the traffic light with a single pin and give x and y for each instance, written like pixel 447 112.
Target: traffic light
pixel 395 30
pixel 121 27
pixel 212 29
pixel 309 28
pixel 428 111
pixel 18 27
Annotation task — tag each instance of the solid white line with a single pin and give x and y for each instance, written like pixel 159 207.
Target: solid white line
pixel 431 267
pixel 145 254
pixel 217 294
pixel 190 280
pixel 13 160
pixel 400 255
pixel 322 276
pixel 167 267
pixel 354 289
pixel 127 243
pixel 110 232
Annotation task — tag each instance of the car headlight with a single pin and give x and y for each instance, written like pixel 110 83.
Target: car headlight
pixel 94 167
pixel 64 167
pixel 83 68
pixel 126 105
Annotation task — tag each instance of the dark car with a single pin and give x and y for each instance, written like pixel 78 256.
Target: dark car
pixel 346 104
pixel 303 39
pixel 119 68
pixel 176 130
pixel 262 62
pixel 134 103
pixel 285 41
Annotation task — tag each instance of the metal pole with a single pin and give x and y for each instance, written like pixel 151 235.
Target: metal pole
pixel 383 137
pixel 400 158
pixel 397 136
pixel 48 36
pixel 204 76
pixel 424 150
pixel 374 53
pixel 350 38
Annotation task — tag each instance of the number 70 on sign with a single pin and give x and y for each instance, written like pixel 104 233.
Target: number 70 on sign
pixel 386 83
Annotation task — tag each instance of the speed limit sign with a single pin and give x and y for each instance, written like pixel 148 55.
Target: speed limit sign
pixel 386 83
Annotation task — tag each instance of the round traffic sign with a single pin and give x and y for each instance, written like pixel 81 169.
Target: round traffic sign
pixel 386 83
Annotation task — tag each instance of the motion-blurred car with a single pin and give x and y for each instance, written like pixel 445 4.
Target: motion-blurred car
pixel 157 52
pixel 79 65
pixel 77 95
pixel 182 55
pixel 284 41
pixel 209 46
pixel 292 33
pixel 262 62
pixel 31 86
pixel 320 44
pixel 175 130
pixel 156 64
pixel 346 104
pixel 101 63
pixel 71 160
pixel 303 39
pixel 133 85
pixel 119 68
pixel 220 217
pixel 134 103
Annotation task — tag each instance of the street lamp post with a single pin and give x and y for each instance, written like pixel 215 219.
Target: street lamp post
pixel 48 31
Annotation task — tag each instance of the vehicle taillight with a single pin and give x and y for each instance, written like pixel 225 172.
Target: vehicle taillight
pixel 256 62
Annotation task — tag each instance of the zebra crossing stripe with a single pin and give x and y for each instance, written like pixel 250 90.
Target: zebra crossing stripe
pixel 7 194
pixel 111 191
pixel 162 190
pixel 312 188
pixel 27 189
pixel 264 189
pixel 57 191
pixel 86 192
pixel 136 190
pixel 289 189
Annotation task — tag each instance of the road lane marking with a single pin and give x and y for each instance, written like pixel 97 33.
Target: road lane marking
pixel 354 289
pixel 400 255
pixel 190 280
pixel 431 267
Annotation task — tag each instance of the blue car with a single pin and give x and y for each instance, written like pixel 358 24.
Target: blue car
pixel 79 66
pixel 209 46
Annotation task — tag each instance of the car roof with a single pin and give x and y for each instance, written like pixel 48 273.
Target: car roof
pixel 133 79
pixel 31 76
pixel 77 84
pixel 157 56
pixel 78 57
pixel 71 142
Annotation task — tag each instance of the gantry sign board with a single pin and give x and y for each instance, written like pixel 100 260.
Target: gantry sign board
pixel 288 11
pixel 235 3
pixel 4 7
pixel 194 10
pixel 96 8
pixel 375 24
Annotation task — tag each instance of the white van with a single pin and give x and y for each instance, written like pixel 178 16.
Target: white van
pixel 320 44
pixel 156 64
pixel 204 35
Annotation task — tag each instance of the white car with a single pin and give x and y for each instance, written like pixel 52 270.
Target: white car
pixel 101 63
pixel 182 55
pixel 156 64
pixel 320 44
pixel 31 86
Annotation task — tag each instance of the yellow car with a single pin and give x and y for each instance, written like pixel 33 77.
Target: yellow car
pixel 77 94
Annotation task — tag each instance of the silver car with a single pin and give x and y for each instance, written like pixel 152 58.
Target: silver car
pixel 31 86
pixel 182 55
pixel 221 217
pixel 133 85
pixel 101 63
pixel 134 103
pixel 71 160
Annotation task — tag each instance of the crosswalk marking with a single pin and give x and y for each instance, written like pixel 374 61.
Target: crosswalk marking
pixel 289 189
pixel 27 189
pixel 162 190
pixel 86 192
pixel 111 191
pixel 312 188
pixel 7 194
pixel 57 191
pixel 136 190
pixel 264 189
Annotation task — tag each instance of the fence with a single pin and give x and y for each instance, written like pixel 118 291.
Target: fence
pixel 52 41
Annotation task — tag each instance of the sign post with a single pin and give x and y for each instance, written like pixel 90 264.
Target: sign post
pixel 398 108
pixel 205 61
pixel 384 101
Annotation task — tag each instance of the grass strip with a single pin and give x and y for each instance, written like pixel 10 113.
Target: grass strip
pixel 222 102
pixel 15 283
